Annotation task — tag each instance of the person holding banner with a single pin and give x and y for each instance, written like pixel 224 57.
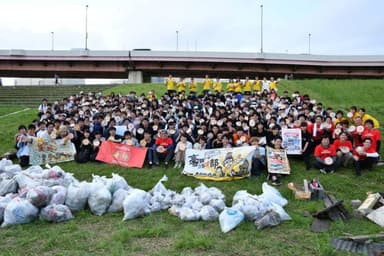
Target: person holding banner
pixel 258 158
pixel 326 158
pixel 277 156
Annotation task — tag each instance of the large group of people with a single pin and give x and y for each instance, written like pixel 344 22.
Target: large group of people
pixel 245 112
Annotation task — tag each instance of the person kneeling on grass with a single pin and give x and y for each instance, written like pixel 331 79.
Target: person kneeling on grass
pixel 180 149
pixel 326 158
pixel 364 156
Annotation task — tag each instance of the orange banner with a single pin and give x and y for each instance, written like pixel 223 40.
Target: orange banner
pixel 121 154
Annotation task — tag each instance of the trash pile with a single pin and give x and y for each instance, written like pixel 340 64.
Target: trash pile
pixel 53 195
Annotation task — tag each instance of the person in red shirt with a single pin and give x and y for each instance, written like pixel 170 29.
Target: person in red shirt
pixel 164 148
pixel 343 148
pixel 323 152
pixel 373 134
pixel 364 156
pixel 316 129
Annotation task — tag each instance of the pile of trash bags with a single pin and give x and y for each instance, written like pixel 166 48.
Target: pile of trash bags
pixel 53 195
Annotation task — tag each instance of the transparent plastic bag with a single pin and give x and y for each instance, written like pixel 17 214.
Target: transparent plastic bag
pixel 56 213
pixel 229 219
pixel 19 211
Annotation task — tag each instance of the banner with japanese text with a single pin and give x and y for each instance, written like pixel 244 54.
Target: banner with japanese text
pixel 292 141
pixel 219 164
pixel 121 154
pixel 278 161
pixel 43 152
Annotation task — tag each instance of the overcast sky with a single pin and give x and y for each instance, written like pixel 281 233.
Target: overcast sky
pixel 336 26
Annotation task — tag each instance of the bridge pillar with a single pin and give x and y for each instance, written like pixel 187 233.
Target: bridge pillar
pixel 135 77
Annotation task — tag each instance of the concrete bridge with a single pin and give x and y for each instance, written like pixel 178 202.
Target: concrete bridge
pixel 140 65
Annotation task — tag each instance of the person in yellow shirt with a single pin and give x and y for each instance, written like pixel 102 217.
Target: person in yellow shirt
pixel 247 86
pixel 257 85
pixel 230 86
pixel 192 87
pixel 366 117
pixel 237 85
pixel 207 84
pixel 170 84
pixel 181 86
pixel 273 84
pixel 217 86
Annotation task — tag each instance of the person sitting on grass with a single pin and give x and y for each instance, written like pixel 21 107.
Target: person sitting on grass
pixel 180 149
pixel 364 156
pixel 85 148
pixel 129 139
pixel 149 143
pixel 164 147
pixel 344 149
pixel 326 158
pixel 273 177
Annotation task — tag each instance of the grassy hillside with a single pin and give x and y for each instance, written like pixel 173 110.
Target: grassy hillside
pixel 162 234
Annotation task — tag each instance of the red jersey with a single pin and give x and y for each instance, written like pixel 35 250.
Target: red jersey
pixel 323 153
pixel 363 156
pixel 165 142
pixel 317 132
pixel 373 134
pixel 338 144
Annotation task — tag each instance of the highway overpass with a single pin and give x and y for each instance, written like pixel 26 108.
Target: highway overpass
pixel 140 65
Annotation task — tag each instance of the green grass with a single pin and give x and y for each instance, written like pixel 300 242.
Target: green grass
pixel 162 234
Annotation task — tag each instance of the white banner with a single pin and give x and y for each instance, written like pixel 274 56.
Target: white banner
pixel 292 141
pixel 219 164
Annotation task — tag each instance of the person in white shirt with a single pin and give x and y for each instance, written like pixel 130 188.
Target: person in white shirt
pixel 180 149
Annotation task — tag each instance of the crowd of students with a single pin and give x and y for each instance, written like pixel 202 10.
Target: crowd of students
pixel 245 112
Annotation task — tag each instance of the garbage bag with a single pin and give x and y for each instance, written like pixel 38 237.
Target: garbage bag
pixel 218 204
pixel 4 201
pixel 19 211
pixel 229 219
pixel 3 163
pixel 117 200
pixel 208 213
pixel 280 210
pixel 25 181
pixel 77 196
pixel 273 195
pixel 270 218
pixel 40 196
pixel 56 213
pixel 117 182
pixel 136 204
pixel 12 170
pixel 188 214
pixel 159 188
pixel 7 185
pixel 99 200
pixel 60 193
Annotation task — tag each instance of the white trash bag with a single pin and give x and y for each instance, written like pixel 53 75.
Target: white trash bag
pixel 188 214
pixel 218 204
pixel 208 213
pixel 136 204
pixel 99 199
pixel 77 196
pixel 271 194
pixel 7 184
pixel 117 200
pixel 12 170
pixel 3 163
pixel 59 196
pixel 40 196
pixel 56 213
pixel 117 182
pixel 19 211
pixel 4 201
pixel 229 219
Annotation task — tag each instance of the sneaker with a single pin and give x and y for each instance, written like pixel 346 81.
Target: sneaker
pixel 323 171
pixel 276 183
